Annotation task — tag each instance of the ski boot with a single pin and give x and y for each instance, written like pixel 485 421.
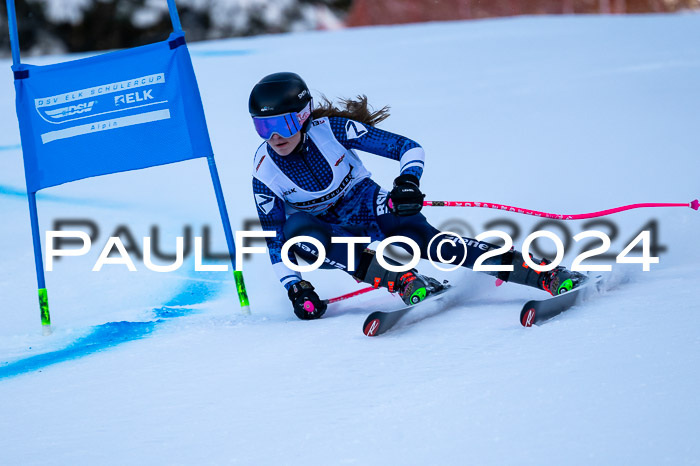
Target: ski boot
pixel 414 287
pixel 560 280
pixel 556 281
pixel 411 286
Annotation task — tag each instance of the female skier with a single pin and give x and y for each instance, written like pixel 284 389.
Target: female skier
pixel 308 180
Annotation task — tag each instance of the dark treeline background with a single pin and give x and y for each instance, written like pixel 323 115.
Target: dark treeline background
pixel 60 26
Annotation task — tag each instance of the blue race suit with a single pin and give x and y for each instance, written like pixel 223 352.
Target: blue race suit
pixel 323 190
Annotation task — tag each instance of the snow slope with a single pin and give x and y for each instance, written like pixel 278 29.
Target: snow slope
pixel 565 114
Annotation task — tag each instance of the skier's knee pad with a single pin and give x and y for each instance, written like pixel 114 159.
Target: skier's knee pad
pixel 303 224
pixel 415 227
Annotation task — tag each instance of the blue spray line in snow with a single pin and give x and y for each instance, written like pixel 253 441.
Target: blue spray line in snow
pixel 109 334
pixel 8 191
pixel 112 334
pixel 13 192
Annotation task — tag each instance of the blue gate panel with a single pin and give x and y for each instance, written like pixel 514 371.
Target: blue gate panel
pixel 114 112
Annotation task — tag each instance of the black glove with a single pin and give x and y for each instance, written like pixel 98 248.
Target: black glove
pixel 307 304
pixel 406 199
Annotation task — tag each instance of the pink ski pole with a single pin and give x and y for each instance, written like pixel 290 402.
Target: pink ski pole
pixel 349 295
pixel 491 205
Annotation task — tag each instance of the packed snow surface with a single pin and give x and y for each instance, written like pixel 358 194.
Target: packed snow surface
pixel 559 114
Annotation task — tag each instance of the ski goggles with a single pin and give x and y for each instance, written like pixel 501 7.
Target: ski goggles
pixel 286 125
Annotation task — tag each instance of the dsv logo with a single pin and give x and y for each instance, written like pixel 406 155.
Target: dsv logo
pixel 70 110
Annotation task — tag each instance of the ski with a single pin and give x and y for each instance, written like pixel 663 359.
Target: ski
pixel 537 311
pixel 380 322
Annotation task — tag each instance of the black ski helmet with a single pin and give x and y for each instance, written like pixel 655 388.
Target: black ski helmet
pixel 278 93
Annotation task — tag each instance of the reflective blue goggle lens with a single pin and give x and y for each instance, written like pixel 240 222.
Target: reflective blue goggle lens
pixel 286 125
